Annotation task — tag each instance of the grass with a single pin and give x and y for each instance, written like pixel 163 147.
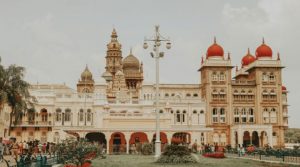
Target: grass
pixel 149 161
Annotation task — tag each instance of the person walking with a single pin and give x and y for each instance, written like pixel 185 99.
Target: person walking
pixel 1 149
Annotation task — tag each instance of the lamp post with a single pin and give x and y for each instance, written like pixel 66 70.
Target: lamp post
pixel 157 39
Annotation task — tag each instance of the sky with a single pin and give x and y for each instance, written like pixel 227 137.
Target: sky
pixel 55 39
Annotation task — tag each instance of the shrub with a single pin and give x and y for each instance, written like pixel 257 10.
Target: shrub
pixel 176 154
pixel 147 149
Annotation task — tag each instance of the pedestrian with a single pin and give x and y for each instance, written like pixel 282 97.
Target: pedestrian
pixel 1 149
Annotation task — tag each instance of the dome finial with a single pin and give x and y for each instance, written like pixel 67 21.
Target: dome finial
pixel 228 56
pixel 130 50
pixel 248 51
pixel 114 34
pixel 215 40
pixel 263 40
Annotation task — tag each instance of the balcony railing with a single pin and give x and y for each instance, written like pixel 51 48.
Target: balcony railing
pixel 34 124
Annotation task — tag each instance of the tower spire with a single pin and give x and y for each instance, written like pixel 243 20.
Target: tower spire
pixel 202 61
pixel 278 56
pixel 228 56
pixel 114 35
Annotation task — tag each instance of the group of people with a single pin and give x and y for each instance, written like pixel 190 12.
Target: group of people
pixel 31 148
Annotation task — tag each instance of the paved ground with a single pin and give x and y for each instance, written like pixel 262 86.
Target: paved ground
pixel 148 161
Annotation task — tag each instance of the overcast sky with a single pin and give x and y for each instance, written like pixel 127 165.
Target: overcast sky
pixel 55 39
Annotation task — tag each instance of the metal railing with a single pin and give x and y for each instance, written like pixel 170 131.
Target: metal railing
pixel 271 158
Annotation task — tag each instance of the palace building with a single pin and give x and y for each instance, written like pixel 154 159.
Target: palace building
pixel 118 108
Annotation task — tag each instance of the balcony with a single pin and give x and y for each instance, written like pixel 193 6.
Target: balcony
pixel 241 82
pixel 34 124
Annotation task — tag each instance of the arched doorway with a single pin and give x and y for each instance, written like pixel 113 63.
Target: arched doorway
pixel 117 143
pixel 255 139
pixel 181 138
pixel 138 137
pixel 96 137
pixel 163 140
pixel 246 139
pixel 136 141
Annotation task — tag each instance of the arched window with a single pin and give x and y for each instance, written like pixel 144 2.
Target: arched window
pixel 244 115
pixel 183 115
pixel 58 115
pixel 166 95
pixel 222 115
pixel 81 115
pixel 222 94
pixel 188 95
pixel 266 115
pixel 273 115
pixel 44 115
pixel 215 94
pixel 195 95
pixel 214 76
pixel 265 77
pixel 178 119
pixel 272 77
pixel 194 112
pixel 215 115
pixel 236 115
pixel 251 115
pixel 89 115
pixel 222 76
pixel 67 114
pixel 265 94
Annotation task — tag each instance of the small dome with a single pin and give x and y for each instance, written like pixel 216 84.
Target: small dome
pixel 248 59
pixel 131 62
pixel 107 76
pixel 86 74
pixel 283 88
pixel 263 51
pixel 215 50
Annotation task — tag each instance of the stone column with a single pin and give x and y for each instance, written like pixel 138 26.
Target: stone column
pixel 232 139
pixel 127 138
pixel 250 135
pixel 107 136
pixel 240 137
pixel 169 136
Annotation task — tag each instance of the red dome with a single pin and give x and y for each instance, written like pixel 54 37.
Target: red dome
pixel 263 51
pixel 214 50
pixel 283 88
pixel 247 59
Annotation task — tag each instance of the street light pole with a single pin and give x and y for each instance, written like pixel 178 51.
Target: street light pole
pixel 157 39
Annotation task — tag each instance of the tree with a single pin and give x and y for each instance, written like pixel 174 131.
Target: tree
pixel 14 91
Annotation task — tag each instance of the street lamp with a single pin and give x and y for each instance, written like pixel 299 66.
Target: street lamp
pixel 157 39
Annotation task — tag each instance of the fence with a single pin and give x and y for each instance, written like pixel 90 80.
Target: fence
pixel 272 158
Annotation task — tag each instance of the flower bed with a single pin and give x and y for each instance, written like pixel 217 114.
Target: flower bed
pixel 214 155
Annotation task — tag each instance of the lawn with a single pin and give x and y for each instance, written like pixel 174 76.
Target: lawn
pixel 148 161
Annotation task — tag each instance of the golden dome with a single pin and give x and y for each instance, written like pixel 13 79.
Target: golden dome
pixel 86 74
pixel 131 62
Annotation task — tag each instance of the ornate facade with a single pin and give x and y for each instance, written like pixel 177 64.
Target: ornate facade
pixel 248 108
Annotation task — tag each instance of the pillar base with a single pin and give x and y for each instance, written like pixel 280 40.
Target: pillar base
pixel 157 149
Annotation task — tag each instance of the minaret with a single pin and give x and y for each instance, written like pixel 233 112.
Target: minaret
pixel 113 54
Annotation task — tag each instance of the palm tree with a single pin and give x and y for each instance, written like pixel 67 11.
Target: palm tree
pixel 14 92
